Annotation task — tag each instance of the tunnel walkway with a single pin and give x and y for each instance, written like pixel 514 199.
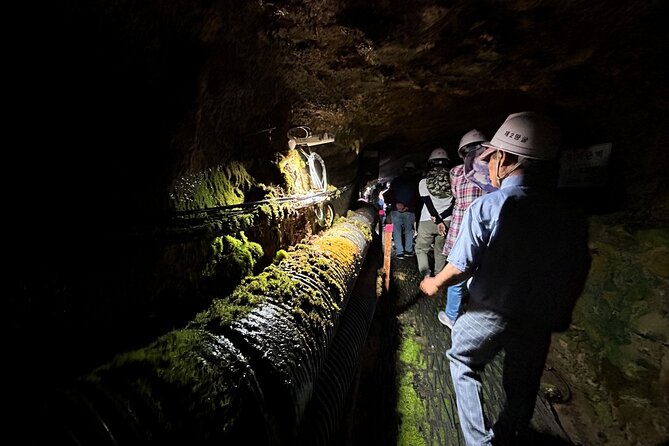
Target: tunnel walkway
pixel 403 393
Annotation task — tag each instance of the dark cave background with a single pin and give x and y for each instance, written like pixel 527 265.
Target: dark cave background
pixel 114 103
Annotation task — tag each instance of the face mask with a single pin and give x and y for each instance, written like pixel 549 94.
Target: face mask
pixel 476 171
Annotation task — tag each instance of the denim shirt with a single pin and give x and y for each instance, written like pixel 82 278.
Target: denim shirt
pixel 528 252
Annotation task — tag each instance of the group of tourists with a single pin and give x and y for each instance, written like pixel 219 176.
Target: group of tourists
pixel 510 254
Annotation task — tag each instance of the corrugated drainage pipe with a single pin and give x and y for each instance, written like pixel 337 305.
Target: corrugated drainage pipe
pixel 229 376
pixel 325 411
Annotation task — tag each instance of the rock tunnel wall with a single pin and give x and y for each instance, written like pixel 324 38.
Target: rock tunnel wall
pixel 616 350
pixel 237 371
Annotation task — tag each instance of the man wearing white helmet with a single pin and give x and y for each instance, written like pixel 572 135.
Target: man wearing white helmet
pixel 435 191
pixel 464 191
pixel 527 254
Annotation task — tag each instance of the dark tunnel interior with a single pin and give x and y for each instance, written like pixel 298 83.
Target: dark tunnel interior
pixel 151 183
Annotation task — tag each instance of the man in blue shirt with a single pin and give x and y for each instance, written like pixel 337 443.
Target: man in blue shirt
pixel 528 258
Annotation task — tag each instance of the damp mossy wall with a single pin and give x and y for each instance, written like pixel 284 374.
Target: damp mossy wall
pixel 330 259
pixel 618 343
pixel 222 185
pixel 233 257
pixel 217 237
pixel 293 167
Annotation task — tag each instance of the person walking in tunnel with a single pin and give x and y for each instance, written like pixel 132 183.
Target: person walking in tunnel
pixel 527 254
pixel 435 191
pixel 465 189
pixel 403 198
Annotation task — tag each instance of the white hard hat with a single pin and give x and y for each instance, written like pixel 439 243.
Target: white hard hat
pixel 468 140
pixel 409 165
pixel 527 134
pixel 438 154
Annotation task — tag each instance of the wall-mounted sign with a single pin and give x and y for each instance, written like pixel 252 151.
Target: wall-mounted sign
pixel 585 167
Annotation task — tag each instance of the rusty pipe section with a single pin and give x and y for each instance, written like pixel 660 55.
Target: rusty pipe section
pixel 230 375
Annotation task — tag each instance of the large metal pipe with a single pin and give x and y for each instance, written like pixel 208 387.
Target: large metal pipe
pixel 249 379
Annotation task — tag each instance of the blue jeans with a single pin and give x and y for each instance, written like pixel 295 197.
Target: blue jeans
pixel 454 296
pixel 403 221
pixel 477 336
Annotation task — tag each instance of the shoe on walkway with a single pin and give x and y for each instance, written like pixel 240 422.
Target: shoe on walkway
pixel 445 320
pixel 410 254
pixel 400 256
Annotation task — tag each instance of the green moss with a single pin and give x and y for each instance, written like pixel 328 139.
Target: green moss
pixel 189 364
pixel 362 227
pixel 233 258
pixel 249 294
pixel 279 256
pixel 410 350
pixel 237 222
pixel 409 405
pixel 271 214
pixel 312 279
pixel 412 413
pixel 295 173
pixel 219 186
pixel 272 211
pixel 323 267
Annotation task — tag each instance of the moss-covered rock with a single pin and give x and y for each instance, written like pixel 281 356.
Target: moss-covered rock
pixel 222 185
pixel 621 327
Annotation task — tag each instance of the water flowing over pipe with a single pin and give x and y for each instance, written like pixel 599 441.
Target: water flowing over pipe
pixel 249 378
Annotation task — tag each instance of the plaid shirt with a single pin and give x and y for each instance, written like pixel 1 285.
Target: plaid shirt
pixel 464 192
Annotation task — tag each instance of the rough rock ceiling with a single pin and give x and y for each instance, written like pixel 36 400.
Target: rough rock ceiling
pixel 148 91
pixel 412 76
